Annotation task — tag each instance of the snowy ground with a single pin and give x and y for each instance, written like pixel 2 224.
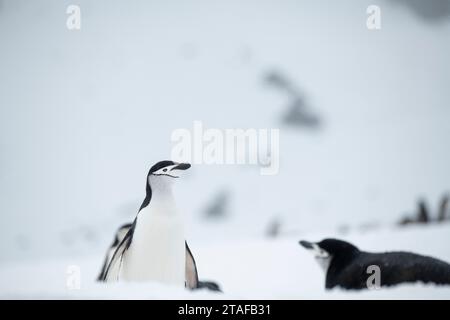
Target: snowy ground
pixel 258 269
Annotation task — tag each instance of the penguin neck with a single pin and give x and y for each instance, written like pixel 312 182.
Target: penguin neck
pixel 162 199
pixel 163 202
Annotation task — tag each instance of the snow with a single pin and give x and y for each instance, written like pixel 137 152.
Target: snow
pixel 84 114
pixel 258 269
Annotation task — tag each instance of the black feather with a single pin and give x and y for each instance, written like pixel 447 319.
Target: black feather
pixel 348 267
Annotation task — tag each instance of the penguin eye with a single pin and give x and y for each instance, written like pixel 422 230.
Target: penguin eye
pixel 165 170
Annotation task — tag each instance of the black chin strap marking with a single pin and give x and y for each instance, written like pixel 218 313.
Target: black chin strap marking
pixel 164 174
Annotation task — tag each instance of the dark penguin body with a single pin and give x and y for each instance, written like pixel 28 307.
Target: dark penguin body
pixel 347 266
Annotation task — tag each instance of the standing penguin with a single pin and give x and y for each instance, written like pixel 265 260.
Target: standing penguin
pixel 346 266
pixel 154 248
pixel 191 273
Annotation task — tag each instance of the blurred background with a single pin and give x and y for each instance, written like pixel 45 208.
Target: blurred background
pixel 364 117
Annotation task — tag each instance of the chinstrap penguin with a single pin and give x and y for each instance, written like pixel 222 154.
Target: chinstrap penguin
pixel 118 237
pixel 153 247
pixel 346 266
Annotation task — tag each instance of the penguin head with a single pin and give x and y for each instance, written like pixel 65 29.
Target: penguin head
pixel 165 172
pixel 325 250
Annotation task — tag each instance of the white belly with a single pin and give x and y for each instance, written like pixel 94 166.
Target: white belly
pixel 157 252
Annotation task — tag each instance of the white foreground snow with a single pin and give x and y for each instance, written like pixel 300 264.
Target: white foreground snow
pixel 258 269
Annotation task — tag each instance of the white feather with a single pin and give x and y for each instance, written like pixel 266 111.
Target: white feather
pixel 157 252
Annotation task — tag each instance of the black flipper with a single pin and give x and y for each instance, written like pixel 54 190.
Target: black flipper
pixel 114 244
pixel 191 273
pixel 113 268
pixel 192 281
pixel 103 271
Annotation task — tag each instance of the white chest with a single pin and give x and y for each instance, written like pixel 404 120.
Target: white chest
pixel 157 252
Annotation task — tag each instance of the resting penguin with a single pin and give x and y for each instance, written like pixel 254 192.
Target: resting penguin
pixel 346 266
pixel 153 247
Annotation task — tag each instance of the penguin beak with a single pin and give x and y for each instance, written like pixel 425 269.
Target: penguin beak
pixel 178 166
pixel 306 244
pixel 181 166
pixel 314 248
